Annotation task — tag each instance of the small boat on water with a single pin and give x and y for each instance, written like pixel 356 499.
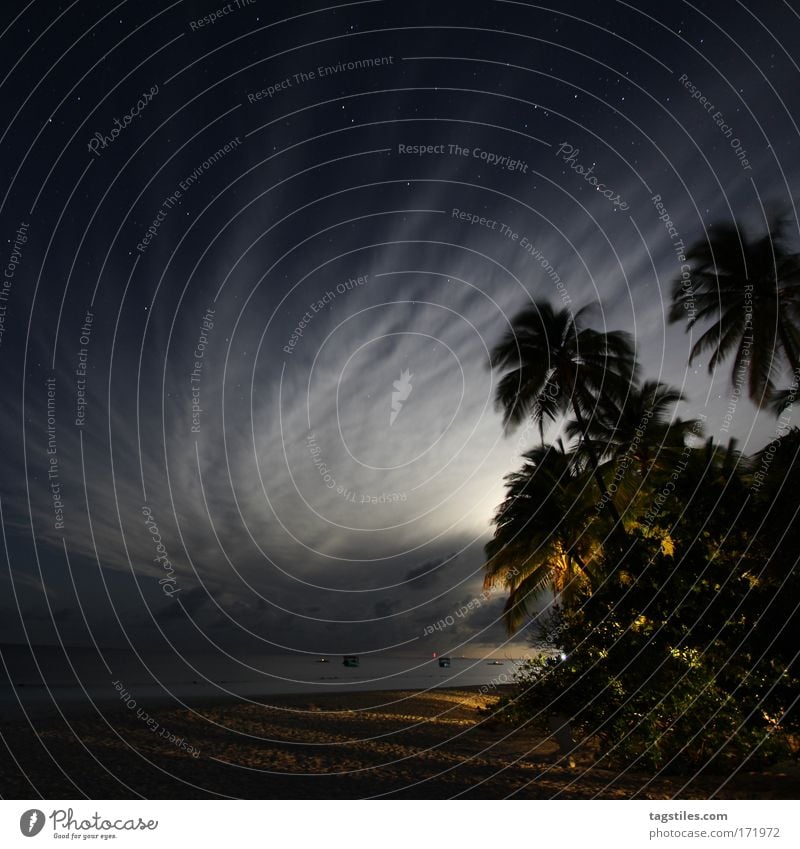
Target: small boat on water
pixel 322 660
pixel 350 660
pixel 495 663
pixel 444 662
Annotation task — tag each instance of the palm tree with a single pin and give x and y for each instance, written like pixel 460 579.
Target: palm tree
pixel 555 365
pixel 775 473
pixel 544 536
pixel 782 400
pixel 642 437
pixel 750 289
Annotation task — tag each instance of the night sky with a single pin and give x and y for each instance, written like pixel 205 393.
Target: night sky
pixel 255 257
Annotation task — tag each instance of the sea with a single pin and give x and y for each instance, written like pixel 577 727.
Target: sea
pixel 50 679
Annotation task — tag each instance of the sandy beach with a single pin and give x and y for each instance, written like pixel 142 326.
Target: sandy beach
pixel 398 744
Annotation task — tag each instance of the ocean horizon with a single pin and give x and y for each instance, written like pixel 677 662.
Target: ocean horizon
pixel 46 678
